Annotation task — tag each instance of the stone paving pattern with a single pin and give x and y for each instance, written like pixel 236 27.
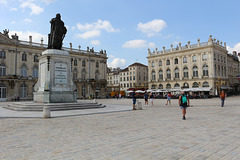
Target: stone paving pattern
pixel 118 133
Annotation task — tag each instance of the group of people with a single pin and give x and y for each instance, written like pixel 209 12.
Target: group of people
pixel 183 100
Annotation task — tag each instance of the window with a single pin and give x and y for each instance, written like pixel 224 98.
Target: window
pixel 153 64
pixel 195 85
pixel 205 70
pixel 75 62
pixel 168 74
pixel 195 71
pixel 3 91
pixel 224 60
pixel 205 84
pixel 167 62
pixel 23 91
pixel 134 78
pixel 83 63
pixel 153 86
pixel 35 58
pixel 35 72
pixel 160 86
pixel 127 78
pixel 75 74
pixel 3 54
pixel 97 74
pixel 177 86
pixel 204 57
pixel 221 59
pixel 185 85
pixel 130 78
pixel 168 86
pixel 185 72
pixel 160 63
pixel 218 58
pixel 225 72
pixel 184 59
pixel 2 70
pixel 161 75
pixel 176 73
pixel 194 58
pixel 219 70
pixel 83 74
pixel 24 71
pixel 127 84
pixel 24 57
pixel 130 85
pixel 84 91
pixel 214 56
pixel 153 75
pixel 222 71
pixel 175 61
pixel 97 64
pixel 215 70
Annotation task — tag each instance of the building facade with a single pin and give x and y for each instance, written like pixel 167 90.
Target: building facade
pixel 202 65
pixel 113 80
pixel 134 76
pixel 19 69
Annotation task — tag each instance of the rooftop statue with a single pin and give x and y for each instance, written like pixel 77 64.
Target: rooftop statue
pixel 57 34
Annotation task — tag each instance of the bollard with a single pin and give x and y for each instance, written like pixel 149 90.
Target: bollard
pixel 139 105
pixel 46 112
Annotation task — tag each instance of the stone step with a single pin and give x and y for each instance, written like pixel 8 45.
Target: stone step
pixel 38 107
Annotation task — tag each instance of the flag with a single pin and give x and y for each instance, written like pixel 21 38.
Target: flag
pixel 238 77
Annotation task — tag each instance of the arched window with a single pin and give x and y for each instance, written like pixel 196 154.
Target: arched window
pixel 161 75
pixel 2 70
pixel 23 91
pixel 176 61
pixel 83 76
pixel 24 71
pixel 153 75
pixel 177 86
pixel 160 86
pixel 185 85
pixel 153 86
pixel 97 74
pixel 168 86
pixel 195 85
pixel 160 63
pixel 3 92
pixel 168 74
pixel 75 74
pixel 195 71
pixel 185 72
pixel 205 70
pixel 97 64
pixel 35 72
pixel 84 91
pixel 176 73
pixel 184 59
pixel 205 84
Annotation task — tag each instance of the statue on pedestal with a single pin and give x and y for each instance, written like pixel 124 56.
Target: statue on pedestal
pixel 57 34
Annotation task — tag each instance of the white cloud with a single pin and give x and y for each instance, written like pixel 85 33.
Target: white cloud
pixel 235 48
pixel 27 20
pixel 3 2
pixel 138 43
pixel 153 27
pixel 13 22
pixel 13 9
pixel 99 25
pixel 36 37
pixel 95 42
pixel 48 1
pixel 34 8
pixel 89 34
pixel 117 62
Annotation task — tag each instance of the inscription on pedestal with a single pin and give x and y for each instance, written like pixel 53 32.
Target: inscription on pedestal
pixel 60 74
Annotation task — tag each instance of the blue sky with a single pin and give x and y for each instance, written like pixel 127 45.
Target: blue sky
pixel 126 28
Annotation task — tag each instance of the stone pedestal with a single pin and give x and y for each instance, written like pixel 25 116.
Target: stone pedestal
pixel 55 84
pixel 139 105
pixel 46 112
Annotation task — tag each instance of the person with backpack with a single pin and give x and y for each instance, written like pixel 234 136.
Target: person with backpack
pixel 146 98
pixel 151 96
pixel 183 103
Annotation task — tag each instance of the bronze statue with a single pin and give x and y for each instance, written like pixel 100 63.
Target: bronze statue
pixel 57 34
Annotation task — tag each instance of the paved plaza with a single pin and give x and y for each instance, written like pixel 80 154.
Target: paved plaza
pixel 118 133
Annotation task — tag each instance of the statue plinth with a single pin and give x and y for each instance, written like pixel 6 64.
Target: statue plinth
pixel 55 84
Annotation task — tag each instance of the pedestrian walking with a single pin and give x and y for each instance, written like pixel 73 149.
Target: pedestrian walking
pixel 184 103
pixel 134 96
pixel 117 96
pixel 151 97
pixel 146 98
pixel 222 96
pixel 120 96
pixel 169 96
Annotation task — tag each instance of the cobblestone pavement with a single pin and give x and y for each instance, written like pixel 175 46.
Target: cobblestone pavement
pixel 118 133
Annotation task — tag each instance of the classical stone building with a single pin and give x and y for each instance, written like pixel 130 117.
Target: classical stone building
pixel 203 65
pixel 113 79
pixel 134 76
pixel 19 68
